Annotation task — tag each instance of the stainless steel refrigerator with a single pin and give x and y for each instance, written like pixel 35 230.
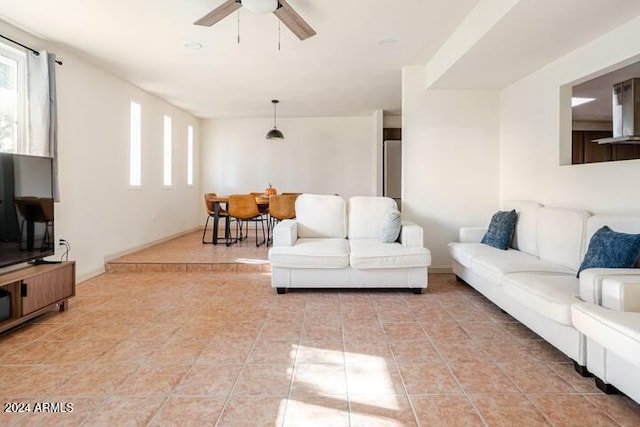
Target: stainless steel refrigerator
pixel 392 170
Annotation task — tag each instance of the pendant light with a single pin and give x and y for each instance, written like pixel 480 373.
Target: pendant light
pixel 275 134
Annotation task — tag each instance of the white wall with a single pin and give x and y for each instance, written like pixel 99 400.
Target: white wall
pixel 450 160
pixel 318 155
pixel 535 134
pixel 98 214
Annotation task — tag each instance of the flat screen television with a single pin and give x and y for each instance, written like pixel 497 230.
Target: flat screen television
pixel 26 209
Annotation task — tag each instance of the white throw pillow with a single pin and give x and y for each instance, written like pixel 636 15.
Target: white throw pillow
pixel 391 226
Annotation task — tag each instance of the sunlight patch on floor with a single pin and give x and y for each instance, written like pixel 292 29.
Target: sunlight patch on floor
pixel 301 413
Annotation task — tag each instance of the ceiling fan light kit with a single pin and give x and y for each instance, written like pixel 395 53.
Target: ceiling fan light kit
pixel 283 11
pixel 260 6
pixel 274 134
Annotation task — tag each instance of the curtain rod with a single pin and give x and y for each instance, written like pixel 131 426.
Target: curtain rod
pixel 35 52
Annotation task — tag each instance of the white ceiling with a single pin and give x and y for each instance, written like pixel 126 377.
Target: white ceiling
pixel 343 70
pixel 533 34
pixel 601 88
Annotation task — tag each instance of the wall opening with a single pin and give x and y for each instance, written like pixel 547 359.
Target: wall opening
pixel 592 118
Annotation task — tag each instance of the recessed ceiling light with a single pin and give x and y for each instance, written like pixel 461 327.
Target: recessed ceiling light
pixel 192 45
pixel 388 42
pixel 579 101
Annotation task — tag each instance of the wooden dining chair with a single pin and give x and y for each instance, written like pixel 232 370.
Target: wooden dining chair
pixel 222 213
pixel 244 209
pixel 280 207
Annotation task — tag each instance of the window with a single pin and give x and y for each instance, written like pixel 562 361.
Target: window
pixel 12 99
pixel 135 146
pixel 189 155
pixel 167 151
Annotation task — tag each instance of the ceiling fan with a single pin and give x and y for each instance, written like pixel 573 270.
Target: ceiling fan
pixel 280 8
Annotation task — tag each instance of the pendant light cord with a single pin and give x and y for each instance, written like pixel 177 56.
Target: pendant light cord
pixel 278 35
pixel 275 105
pixel 238 26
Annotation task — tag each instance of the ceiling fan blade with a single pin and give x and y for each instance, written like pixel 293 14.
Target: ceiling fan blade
pixel 220 12
pixel 293 21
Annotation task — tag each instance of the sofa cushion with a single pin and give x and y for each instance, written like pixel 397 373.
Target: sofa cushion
pixel 501 229
pixel 524 236
pixel 560 236
pixel 321 216
pixel 372 253
pixel 550 295
pixel 494 267
pixel 610 249
pixel 311 253
pixel 464 253
pixel 366 216
pixel 618 332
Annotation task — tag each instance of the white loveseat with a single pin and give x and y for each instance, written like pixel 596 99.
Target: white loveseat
pixel 334 244
pixel 535 280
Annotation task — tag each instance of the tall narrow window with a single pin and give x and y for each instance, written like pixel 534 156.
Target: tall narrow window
pixel 167 151
pixel 135 146
pixel 12 99
pixel 189 155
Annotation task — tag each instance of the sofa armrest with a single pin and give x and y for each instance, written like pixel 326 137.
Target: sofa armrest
pixel 285 233
pixel 591 281
pixel 471 234
pixel 621 293
pixel 411 234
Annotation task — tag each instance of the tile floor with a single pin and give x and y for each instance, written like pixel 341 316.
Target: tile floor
pixel 222 348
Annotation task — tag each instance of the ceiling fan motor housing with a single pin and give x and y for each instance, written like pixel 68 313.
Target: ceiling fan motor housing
pixel 260 6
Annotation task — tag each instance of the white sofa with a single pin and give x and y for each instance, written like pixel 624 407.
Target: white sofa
pixel 334 244
pixel 612 330
pixel 535 280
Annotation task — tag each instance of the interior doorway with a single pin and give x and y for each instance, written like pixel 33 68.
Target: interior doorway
pixel 392 170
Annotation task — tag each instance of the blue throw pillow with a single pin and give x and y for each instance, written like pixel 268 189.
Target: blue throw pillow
pixel 391 226
pixel 610 249
pixel 501 228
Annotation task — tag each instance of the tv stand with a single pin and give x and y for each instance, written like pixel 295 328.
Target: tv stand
pixel 40 261
pixel 37 289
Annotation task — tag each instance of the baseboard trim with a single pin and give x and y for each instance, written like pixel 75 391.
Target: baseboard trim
pixel 89 275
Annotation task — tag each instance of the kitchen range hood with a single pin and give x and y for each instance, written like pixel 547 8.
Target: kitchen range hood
pixel 626 113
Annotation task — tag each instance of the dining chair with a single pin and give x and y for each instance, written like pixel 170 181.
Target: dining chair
pixel 263 208
pixel 244 209
pixel 222 213
pixel 35 210
pixel 281 207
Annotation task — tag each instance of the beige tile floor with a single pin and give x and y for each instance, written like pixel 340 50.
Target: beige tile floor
pixel 222 348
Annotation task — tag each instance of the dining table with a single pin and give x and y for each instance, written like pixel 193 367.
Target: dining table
pixel 261 200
